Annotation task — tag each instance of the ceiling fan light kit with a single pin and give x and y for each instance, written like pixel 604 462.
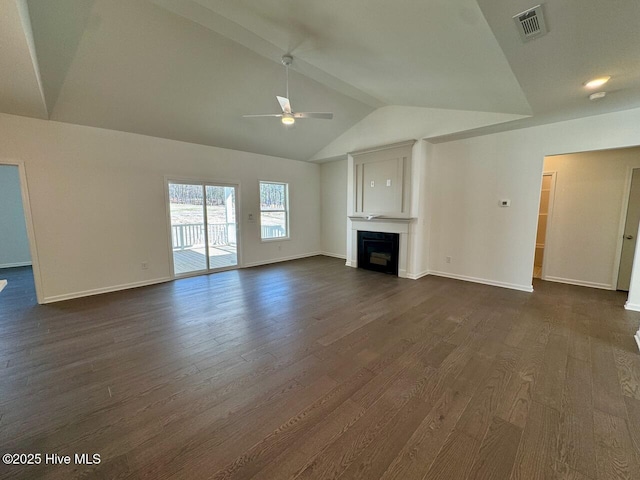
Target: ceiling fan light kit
pixel 288 116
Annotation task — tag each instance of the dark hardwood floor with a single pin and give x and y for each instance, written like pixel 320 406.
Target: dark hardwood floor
pixel 308 369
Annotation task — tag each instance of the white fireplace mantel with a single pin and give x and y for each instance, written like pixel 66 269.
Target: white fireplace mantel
pixel 381 224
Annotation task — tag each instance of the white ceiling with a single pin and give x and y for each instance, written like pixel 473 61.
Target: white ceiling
pixel 20 87
pixel 189 69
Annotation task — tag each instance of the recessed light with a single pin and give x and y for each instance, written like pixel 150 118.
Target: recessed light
pixel 597 95
pixel 597 82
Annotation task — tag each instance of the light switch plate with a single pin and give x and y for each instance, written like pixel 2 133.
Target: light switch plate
pixel 505 203
pixel 373 183
pixel 388 182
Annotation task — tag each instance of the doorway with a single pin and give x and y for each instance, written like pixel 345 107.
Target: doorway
pixel 204 227
pixel 630 232
pixel 19 271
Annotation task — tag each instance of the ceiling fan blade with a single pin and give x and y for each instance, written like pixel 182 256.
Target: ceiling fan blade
pixel 322 115
pixel 263 115
pixel 284 104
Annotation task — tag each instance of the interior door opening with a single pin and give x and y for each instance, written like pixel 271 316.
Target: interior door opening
pixel 630 232
pixel 17 280
pixel 204 227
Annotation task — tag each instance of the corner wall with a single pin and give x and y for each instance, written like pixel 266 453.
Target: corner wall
pixel 333 191
pixel 99 210
pixel 468 177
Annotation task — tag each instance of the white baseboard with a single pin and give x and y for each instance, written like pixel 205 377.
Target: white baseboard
pixel 334 255
pixel 634 307
pixel 579 283
pixel 416 276
pixel 14 265
pixel 282 259
pixel 98 291
pixel 348 264
pixel 637 337
pixel 3 283
pixel 484 281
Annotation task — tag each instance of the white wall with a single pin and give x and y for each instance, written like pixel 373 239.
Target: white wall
pixel 14 244
pixel 98 202
pixel 584 236
pixel 333 188
pixel 468 177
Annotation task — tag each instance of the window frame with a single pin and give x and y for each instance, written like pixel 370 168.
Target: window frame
pixel 286 210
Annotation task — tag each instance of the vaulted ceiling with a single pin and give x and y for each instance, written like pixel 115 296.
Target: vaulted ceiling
pixel 189 69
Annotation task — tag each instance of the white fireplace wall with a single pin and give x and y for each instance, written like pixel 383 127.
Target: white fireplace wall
pixel 413 230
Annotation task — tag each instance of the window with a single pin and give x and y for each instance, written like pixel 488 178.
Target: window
pixel 274 210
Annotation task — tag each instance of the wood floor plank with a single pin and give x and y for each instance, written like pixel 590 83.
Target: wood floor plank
pixel 422 448
pixel 561 471
pixel 346 449
pixel 479 414
pixel 633 415
pixel 576 442
pixel 311 369
pixel 607 391
pixel 615 455
pixel 538 447
pixel 516 400
pixel 287 463
pixel 497 451
pixel 628 365
pixel 455 458
pixel 548 387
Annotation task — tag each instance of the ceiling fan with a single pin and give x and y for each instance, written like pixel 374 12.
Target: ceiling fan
pixel 288 116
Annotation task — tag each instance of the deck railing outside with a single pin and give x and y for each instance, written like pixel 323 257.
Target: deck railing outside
pixel 191 234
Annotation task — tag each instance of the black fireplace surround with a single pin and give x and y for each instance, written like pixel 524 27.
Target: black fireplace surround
pixel 378 251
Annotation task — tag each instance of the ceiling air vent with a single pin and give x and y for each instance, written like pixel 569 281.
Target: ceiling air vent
pixel 530 23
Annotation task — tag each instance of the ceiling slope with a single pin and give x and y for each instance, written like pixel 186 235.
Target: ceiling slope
pixel 396 123
pixel 586 39
pixel 139 68
pixel 439 53
pixel 20 87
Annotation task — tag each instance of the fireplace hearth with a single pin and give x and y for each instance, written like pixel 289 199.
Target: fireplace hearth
pixel 378 251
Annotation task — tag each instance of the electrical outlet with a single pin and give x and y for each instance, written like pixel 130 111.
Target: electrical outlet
pixel 144 265
pixel 447 259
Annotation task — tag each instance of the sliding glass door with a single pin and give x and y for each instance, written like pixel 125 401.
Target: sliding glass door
pixel 204 228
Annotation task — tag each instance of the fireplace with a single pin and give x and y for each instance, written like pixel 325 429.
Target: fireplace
pixel 378 251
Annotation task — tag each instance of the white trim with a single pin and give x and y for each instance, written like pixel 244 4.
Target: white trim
pixel 634 307
pixel 3 283
pixel 637 337
pixel 384 225
pixel 484 281
pixel 28 218
pixel 416 276
pixel 239 235
pixel 549 231
pixel 347 263
pixel 580 283
pixel 98 291
pixel 281 259
pixel 17 264
pixel 380 148
pixel 334 255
